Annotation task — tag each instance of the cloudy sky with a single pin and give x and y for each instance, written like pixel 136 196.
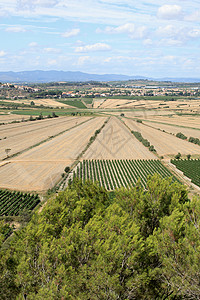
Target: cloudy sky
pixel 149 38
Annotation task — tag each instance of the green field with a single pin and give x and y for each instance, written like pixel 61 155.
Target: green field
pixel 13 203
pixel 88 100
pixel 190 168
pixel 75 103
pixel 113 174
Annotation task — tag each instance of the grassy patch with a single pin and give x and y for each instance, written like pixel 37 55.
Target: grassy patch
pixel 88 100
pixel 75 103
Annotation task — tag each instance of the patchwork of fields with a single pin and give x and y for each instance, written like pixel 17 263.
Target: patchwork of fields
pixel 44 148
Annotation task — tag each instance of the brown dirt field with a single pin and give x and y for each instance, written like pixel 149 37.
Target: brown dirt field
pixel 178 105
pixel 116 142
pixel 24 135
pixel 45 102
pixel 97 102
pixel 31 176
pixel 187 121
pixel 115 103
pixel 164 143
pixel 175 129
pixel 40 168
pixel 11 117
pixel 142 113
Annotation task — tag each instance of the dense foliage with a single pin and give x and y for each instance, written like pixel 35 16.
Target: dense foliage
pixel 112 174
pixel 180 135
pixel 190 168
pixel 5 231
pixel 85 245
pixel 194 140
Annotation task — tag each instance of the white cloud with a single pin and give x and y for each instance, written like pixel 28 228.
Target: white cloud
pixel 82 60
pixel 128 28
pixel 167 31
pixel 33 44
pixel 94 47
pixel 170 12
pixel 195 16
pixel 51 50
pixel 194 33
pixel 52 62
pixel 170 42
pixel 2 53
pixel 32 4
pixel 147 42
pixel 178 34
pixel 15 29
pixel 71 33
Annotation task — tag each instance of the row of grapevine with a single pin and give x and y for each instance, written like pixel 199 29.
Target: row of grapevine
pixel 12 202
pixel 112 174
pixel 190 168
pixel 5 230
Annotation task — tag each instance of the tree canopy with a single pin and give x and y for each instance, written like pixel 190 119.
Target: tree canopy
pixel 85 244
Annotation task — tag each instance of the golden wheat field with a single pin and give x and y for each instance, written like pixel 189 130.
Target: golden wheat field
pixel 116 142
pixel 164 143
pixel 40 167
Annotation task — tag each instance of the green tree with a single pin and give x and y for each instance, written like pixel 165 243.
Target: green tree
pixel 178 156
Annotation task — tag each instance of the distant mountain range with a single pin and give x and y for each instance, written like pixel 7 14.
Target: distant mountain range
pixel 56 76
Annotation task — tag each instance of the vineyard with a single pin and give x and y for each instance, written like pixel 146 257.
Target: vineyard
pixel 113 174
pixel 190 168
pixel 12 203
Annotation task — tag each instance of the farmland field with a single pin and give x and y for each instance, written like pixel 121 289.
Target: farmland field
pixel 190 168
pixel 169 103
pixel 45 102
pixel 18 137
pixel 116 142
pixel 164 143
pixel 113 174
pixel 41 167
pixel 188 121
pixel 175 129
pixel 8 118
pixel 12 203
pixel 73 103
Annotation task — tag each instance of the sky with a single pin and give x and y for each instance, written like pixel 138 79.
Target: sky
pixel 147 38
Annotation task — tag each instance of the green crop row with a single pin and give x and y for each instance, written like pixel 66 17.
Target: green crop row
pixel 190 168
pixel 12 202
pixel 113 174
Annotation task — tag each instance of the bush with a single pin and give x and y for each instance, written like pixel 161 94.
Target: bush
pixel 178 156
pixel 67 169
pixel 180 135
pixel 151 148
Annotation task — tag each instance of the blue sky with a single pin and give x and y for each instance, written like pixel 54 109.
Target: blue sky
pixel 149 38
